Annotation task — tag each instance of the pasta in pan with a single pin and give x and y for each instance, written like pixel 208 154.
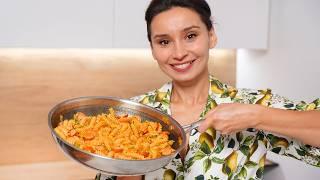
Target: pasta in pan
pixel 122 137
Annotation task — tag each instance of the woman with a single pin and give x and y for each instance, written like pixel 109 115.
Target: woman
pixel 241 125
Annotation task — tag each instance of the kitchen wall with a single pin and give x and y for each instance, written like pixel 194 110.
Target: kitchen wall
pixel 117 23
pixel 290 67
pixel 32 81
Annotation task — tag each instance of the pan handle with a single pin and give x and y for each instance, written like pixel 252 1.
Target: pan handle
pixel 187 128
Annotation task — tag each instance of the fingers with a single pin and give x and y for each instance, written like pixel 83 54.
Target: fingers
pixel 217 120
pixel 204 125
pixel 223 128
pixel 208 122
pixel 226 131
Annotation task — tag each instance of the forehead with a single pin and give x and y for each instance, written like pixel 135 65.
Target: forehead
pixel 175 19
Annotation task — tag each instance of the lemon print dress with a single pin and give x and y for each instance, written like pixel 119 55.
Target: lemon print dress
pixel 240 155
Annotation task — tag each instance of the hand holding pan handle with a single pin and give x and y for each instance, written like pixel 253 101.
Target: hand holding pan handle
pixel 187 128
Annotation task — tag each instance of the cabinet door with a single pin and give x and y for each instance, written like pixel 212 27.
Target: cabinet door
pixel 241 24
pixel 130 29
pixel 238 24
pixel 56 24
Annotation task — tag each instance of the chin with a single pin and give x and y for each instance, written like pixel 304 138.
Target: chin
pixel 184 78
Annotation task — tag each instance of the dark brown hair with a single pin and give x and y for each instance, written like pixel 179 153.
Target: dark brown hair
pixel 155 7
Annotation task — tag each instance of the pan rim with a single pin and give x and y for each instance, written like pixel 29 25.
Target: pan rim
pixel 172 120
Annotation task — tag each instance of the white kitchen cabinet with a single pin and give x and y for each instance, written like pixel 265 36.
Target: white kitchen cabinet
pixel 130 29
pixel 56 24
pixel 238 24
pixel 119 23
pixel 241 24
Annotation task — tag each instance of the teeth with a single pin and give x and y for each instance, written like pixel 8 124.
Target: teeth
pixel 182 66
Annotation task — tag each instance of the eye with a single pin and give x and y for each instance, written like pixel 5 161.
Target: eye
pixel 191 36
pixel 163 42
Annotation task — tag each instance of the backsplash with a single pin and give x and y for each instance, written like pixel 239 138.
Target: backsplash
pixel 34 80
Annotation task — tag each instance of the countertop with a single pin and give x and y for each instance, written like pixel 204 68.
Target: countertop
pixel 61 170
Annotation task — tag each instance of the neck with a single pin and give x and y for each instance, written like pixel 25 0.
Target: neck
pixel 191 92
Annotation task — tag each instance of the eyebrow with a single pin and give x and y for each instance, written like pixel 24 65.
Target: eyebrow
pixel 184 30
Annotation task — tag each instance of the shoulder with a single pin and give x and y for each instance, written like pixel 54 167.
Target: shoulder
pixel 221 91
pixel 267 97
pixel 143 97
pixel 155 97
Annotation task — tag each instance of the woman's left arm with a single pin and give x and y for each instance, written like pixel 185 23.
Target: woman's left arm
pixel 290 129
pixel 301 125
pixel 235 117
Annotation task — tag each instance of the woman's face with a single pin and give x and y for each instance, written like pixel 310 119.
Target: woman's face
pixel 180 43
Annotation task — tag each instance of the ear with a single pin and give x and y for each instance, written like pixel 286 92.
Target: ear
pixel 212 38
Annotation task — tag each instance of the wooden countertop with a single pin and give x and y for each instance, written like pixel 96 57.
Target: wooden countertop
pixel 62 170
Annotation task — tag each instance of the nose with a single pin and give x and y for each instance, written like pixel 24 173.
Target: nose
pixel 180 51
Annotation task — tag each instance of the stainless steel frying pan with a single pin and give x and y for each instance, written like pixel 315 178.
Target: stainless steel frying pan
pixel 118 167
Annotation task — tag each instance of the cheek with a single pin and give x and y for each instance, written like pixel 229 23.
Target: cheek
pixel 201 48
pixel 160 54
pixel 201 51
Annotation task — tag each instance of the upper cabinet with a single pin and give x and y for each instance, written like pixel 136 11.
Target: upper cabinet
pixel 241 24
pixel 130 29
pixel 238 24
pixel 119 23
pixel 56 24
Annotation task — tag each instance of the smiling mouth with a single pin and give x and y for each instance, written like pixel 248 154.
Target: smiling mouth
pixel 182 67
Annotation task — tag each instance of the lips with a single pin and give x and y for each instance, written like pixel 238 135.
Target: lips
pixel 182 67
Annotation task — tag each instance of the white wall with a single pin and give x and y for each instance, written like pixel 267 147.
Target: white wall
pixel 241 24
pixel 290 66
